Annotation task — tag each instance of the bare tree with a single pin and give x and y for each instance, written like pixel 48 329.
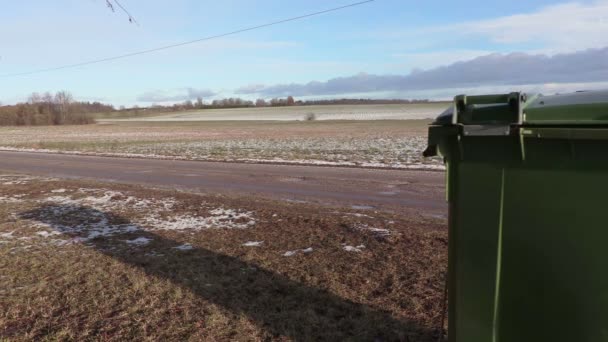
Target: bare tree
pixel 63 100
pixel 35 98
pixel 291 101
pixel 260 103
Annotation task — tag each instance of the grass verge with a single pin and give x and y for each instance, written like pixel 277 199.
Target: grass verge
pixel 84 260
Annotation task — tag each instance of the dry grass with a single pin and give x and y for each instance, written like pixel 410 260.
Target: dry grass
pixel 67 285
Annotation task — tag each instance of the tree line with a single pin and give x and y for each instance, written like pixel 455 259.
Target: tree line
pixel 233 102
pixel 61 108
pixel 51 109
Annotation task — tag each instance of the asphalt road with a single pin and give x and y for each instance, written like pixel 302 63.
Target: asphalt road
pixel 365 189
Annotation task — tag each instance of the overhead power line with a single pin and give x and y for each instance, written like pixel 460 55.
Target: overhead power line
pixel 131 18
pixel 142 52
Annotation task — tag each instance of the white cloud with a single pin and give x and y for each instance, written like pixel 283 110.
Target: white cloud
pixel 250 89
pixel 493 70
pixel 175 95
pixel 562 27
pixel 426 60
pixel 553 29
pixel 547 89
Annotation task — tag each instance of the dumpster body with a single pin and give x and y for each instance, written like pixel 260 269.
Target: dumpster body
pixel 527 185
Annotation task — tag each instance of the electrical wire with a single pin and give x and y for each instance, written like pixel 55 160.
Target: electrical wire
pixel 131 18
pixel 252 28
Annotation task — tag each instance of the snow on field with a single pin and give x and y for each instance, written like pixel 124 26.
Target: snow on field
pixel 8 235
pixel 140 241
pixel 376 144
pixel 368 151
pixel 353 249
pixel 379 232
pixel 333 112
pixel 253 243
pixel 215 221
pixel 18 179
pixel 86 214
pixel 21 179
pixel 184 247
pixel 10 199
pixel 47 234
pixel 292 253
pixel 73 219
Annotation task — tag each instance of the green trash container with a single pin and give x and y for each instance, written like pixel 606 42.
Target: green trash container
pixel 527 185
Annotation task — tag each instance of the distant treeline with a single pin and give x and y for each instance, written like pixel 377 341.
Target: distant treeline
pixel 61 109
pixel 51 109
pixel 233 102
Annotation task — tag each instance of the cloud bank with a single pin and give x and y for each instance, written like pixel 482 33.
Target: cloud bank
pixel 559 27
pixel 490 70
pixel 177 95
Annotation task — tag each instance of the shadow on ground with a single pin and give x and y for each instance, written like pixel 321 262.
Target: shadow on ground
pixel 281 306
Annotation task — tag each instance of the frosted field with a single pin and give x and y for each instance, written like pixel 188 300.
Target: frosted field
pixel 379 143
pixel 337 112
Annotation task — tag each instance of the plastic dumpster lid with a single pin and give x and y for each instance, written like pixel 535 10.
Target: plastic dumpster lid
pixel 583 107
pixel 580 108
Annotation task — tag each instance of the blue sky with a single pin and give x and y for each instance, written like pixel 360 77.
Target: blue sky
pixel 387 48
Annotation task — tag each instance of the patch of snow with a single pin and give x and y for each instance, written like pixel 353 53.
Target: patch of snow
pixel 91 216
pixel 20 179
pixel 8 235
pixel 353 249
pixel 359 215
pixel 91 223
pixel 380 232
pixel 253 243
pixel 58 191
pixel 220 219
pixel 184 247
pixel 12 199
pixel 292 253
pixel 140 241
pixel 47 234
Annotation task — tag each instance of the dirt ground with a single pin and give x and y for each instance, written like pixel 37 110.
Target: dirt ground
pixel 86 260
